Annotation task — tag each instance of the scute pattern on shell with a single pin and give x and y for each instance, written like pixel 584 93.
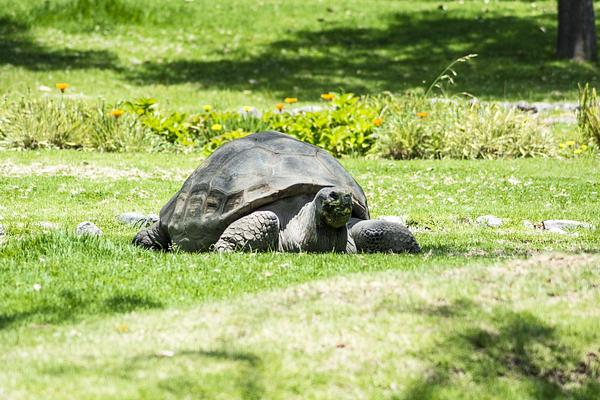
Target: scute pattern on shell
pixel 244 175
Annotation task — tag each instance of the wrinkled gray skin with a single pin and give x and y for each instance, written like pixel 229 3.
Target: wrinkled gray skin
pixel 268 191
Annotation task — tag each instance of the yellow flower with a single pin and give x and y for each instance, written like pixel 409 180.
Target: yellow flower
pixel 291 100
pixel 570 143
pixel 577 151
pixel 562 145
pixel 377 121
pixel 62 87
pixel 248 109
pixel 216 127
pixel 279 106
pixel 583 147
pixel 328 96
pixel 207 108
pixel 117 112
pixel 422 114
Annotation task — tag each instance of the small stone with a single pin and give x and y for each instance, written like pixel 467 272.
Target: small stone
pixel 528 224
pixel 489 220
pixel 522 106
pixel 88 229
pixel 307 109
pixel 137 219
pixel 400 219
pixel 565 224
pixel 559 231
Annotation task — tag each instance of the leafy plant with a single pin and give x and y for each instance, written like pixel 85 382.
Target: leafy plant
pixel 346 128
pixel 32 124
pixel 588 114
pixel 420 128
pixel 447 75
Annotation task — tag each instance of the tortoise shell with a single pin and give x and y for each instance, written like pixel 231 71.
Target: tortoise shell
pixel 246 174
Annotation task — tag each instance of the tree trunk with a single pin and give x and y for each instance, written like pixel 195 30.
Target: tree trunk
pixel 576 30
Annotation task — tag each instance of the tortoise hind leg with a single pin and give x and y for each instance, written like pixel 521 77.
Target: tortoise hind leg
pixel 373 236
pixel 154 238
pixel 258 231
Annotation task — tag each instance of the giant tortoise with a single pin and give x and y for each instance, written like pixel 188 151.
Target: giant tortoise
pixel 269 191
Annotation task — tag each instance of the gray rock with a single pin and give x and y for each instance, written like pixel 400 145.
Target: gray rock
pixel 2 231
pixel 565 224
pixel 137 219
pixel 522 106
pixel 307 109
pixel 489 220
pixel 88 229
pixel 528 224
pixel 559 231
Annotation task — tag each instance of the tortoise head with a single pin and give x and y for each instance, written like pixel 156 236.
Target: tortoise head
pixel 333 206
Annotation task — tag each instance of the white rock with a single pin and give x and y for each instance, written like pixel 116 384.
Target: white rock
pixel 400 219
pixel 559 231
pixel 88 229
pixel 528 224
pixel 489 220
pixel 307 109
pixel 136 218
pixel 565 224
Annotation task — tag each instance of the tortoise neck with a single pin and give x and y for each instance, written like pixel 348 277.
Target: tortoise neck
pixel 306 232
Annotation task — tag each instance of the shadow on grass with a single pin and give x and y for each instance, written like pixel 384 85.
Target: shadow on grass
pixel 69 305
pixel 241 372
pixel 247 378
pixel 515 56
pixel 18 48
pixel 499 349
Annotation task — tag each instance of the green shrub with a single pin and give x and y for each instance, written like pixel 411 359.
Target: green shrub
pixel 32 124
pixel 345 128
pixel 406 127
pixel 64 124
pixel 417 127
pixel 588 114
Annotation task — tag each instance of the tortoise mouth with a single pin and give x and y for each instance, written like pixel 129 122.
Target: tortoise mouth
pixel 334 207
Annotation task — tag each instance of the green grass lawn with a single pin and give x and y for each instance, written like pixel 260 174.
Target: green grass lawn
pixel 233 53
pixel 481 313
pixel 468 318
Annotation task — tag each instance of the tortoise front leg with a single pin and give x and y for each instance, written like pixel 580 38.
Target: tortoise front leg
pixel 373 236
pixel 258 231
pixel 155 238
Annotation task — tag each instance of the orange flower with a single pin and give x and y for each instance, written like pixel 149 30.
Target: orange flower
pixel 328 96
pixel 422 114
pixel 291 100
pixel 62 87
pixel 117 112
pixel 377 121
pixel 279 106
